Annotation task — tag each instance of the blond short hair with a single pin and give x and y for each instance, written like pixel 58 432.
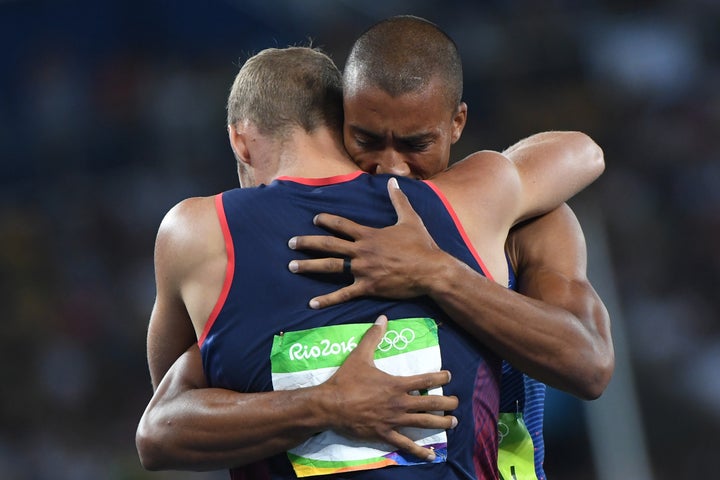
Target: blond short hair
pixel 281 89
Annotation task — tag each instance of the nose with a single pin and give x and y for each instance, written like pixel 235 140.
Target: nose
pixel 392 163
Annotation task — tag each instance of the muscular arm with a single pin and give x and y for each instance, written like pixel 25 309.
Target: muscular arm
pixel 546 336
pixel 558 330
pixel 552 166
pixel 188 426
pixel 189 266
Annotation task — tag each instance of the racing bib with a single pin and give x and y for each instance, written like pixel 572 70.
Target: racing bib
pixel 516 454
pixel 309 357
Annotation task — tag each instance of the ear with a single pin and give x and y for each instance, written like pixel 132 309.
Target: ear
pixel 238 143
pixel 458 122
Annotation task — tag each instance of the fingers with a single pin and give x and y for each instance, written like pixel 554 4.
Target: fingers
pixel 321 243
pixel 429 420
pixel 427 381
pixel 316 265
pixel 432 403
pixel 399 200
pixel 339 225
pixel 404 443
pixel 371 339
pixel 338 296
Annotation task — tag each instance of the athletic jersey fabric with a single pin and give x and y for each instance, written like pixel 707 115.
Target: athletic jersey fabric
pixel 523 394
pixel 262 298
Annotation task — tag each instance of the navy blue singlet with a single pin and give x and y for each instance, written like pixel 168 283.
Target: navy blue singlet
pixel 262 298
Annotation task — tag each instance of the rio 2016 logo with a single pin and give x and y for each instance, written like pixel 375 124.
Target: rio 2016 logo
pixel 298 351
pixel 391 340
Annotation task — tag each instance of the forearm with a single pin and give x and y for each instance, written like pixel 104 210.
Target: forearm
pixel 208 429
pixel 550 342
pixel 571 144
pixel 189 426
pixel 554 167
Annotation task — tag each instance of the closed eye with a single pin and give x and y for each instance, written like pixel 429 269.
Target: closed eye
pixel 367 142
pixel 419 147
pixel 416 146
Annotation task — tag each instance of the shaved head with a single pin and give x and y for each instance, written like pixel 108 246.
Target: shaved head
pixel 405 54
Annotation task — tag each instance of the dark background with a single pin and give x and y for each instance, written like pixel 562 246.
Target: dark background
pixel 111 112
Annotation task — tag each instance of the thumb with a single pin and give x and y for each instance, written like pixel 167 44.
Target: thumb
pixel 371 339
pixel 399 200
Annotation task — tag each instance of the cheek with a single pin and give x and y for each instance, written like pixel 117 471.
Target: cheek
pixel 363 161
pixel 354 152
pixel 431 164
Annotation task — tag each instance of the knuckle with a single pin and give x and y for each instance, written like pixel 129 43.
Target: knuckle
pixel 343 295
pixel 326 241
pixel 429 381
pixel 434 402
pixel 322 219
pixel 331 220
pixel 358 264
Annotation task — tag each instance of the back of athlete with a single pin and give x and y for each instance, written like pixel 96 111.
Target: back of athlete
pixel 264 302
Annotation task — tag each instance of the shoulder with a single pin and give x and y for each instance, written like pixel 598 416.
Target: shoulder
pixel 187 216
pixel 481 162
pixel 483 172
pixel 188 232
pixel 486 182
pixel 188 210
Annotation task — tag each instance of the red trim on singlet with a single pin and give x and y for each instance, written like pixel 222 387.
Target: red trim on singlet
pixel 229 271
pixel 460 228
pixel 318 182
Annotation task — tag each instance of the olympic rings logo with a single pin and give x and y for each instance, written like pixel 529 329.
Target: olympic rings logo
pixel 503 431
pixel 397 340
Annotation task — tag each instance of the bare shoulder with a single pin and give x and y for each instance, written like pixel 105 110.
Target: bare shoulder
pixel 488 183
pixel 188 231
pixel 187 217
pixel 187 212
pixel 475 168
pixel 477 172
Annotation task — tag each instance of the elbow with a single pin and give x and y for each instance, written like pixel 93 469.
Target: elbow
pixel 602 360
pixel 585 153
pixel 598 377
pixel 593 153
pixel 598 158
pixel 149 448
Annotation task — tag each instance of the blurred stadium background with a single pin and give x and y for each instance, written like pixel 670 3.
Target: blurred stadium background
pixel 113 111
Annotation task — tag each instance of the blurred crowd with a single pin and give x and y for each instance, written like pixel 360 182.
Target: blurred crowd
pixel 112 112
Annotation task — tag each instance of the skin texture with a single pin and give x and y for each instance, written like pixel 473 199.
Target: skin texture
pixel 553 268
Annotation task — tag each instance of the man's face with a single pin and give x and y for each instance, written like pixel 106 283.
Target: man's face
pixel 409 135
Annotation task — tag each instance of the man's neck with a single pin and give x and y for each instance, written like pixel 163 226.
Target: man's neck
pixel 317 155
